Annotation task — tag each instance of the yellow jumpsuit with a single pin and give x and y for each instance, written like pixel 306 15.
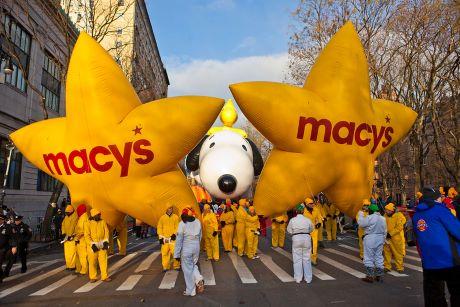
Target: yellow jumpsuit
pixel 167 226
pixel 70 251
pixel 211 242
pixel 97 232
pixel 122 238
pixel 227 229
pixel 240 229
pixel 82 247
pixel 397 244
pixel 315 218
pixel 235 237
pixel 322 211
pixel 279 230
pixel 331 222
pixel 360 237
pixel 252 224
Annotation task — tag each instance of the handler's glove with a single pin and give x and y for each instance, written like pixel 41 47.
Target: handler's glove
pixel 318 225
pixel 282 222
pixel 214 233
pixel 388 236
pixel 273 220
pixel 173 237
pixel 222 224
pixel 94 248
pixel 161 241
pixel 105 245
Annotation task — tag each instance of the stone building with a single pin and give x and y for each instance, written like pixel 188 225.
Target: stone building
pixel 35 41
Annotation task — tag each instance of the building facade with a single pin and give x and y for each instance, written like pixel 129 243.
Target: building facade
pixel 35 41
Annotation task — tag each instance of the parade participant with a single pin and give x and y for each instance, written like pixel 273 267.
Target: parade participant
pixel 252 229
pixel 81 246
pixel 227 222
pixel 279 224
pixel 68 235
pixel 23 235
pixel 331 221
pixel 375 230
pixel 322 211
pixel 119 234
pixel 395 245
pixel 97 238
pixel 241 226
pixel 8 246
pixel 438 237
pixel 167 229
pixel 365 210
pixel 312 213
pixel 187 250
pixel 210 230
pixel 234 207
pixel 300 228
pixel 451 193
pixel 57 221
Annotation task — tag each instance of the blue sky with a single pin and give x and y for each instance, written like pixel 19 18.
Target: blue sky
pixel 207 45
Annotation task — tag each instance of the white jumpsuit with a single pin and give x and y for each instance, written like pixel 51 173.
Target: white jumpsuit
pixel 375 230
pixel 188 249
pixel 300 228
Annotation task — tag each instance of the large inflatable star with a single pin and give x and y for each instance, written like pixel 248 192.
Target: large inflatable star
pixel 113 152
pixel 327 134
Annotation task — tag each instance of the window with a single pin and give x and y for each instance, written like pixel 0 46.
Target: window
pixel 14 174
pixel 118 44
pixel 20 39
pixel 78 17
pixel 121 2
pixel 51 84
pixel 119 31
pixel 45 182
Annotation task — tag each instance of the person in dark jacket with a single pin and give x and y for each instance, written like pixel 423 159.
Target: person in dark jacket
pixel 438 238
pixel 7 245
pixel 23 236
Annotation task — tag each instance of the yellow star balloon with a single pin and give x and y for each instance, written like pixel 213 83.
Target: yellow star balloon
pixel 113 152
pixel 327 134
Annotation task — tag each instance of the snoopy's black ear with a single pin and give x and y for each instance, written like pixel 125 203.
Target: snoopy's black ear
pixel 257 160
pixel 192 161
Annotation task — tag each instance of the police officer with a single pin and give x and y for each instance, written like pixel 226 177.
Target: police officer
pixel 7 245
pixel 23 236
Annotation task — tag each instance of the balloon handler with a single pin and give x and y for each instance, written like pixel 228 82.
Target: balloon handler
pixel 68 228
pixel 120 235
pixel 252 226
pixel 395 245
pixel 279 224
pixel 167 229
pixel 80 242
pixel 97 238
pixel 375 230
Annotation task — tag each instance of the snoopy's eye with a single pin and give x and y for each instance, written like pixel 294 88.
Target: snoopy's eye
pixel 212 145
pixel 244 147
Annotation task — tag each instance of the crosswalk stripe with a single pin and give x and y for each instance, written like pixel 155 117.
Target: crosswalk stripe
pixel 32 270
pixel 30 282
pixel 316 272
pixel 413 258
pixel 415 252
pixel 147 262
pixel 242 269
pixel 54 286
pixel 341 266
pixel 207 272
pixel 356 259
pixel 414 267
pixel 112 270
pixel 129 283
pixel 272 266
pixel 169 280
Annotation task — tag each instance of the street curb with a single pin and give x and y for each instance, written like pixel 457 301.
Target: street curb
pixel 42 247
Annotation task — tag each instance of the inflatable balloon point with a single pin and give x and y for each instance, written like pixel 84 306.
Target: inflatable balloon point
pixel 113 152
pixel 327 134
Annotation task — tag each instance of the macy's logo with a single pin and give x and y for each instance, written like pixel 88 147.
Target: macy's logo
pixel 87 160
pixel 353 133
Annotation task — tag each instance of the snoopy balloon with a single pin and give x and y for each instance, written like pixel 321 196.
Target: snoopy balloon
pixel 226 160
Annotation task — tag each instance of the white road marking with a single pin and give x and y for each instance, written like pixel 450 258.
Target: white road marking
pixel 411 266
pixel 147 262
pixel 32 270
pixel 54 286
pixel 169 280
pixel 242 270
pixel 112 270
pixel 319 274
pixel 408 257
pixel 207 272
pixel 129 283
pixel 356 259
pixel 30 282
pixel 272 266
pixel 341 266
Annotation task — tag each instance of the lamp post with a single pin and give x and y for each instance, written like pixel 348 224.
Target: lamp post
pixel 10 148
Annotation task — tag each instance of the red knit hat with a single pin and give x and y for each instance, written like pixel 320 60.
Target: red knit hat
pixel 81 209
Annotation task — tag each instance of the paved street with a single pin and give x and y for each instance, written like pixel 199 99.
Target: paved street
pixel 137 278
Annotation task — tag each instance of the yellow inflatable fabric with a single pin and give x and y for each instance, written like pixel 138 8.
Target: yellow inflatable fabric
pixel 112 151
pixel 327 134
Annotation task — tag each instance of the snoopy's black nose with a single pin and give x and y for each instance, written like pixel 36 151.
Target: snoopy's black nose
pixel 227 183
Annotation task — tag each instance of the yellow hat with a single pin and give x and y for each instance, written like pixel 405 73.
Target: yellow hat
pixel 366 202
pixel 94 212
pixel 252 209
pixel 390 207
pixel 419 195
pixel 452 192
pixel 69 208
pixel 206 207
pixel 242 201
pixel 441 190
pixel 308 201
